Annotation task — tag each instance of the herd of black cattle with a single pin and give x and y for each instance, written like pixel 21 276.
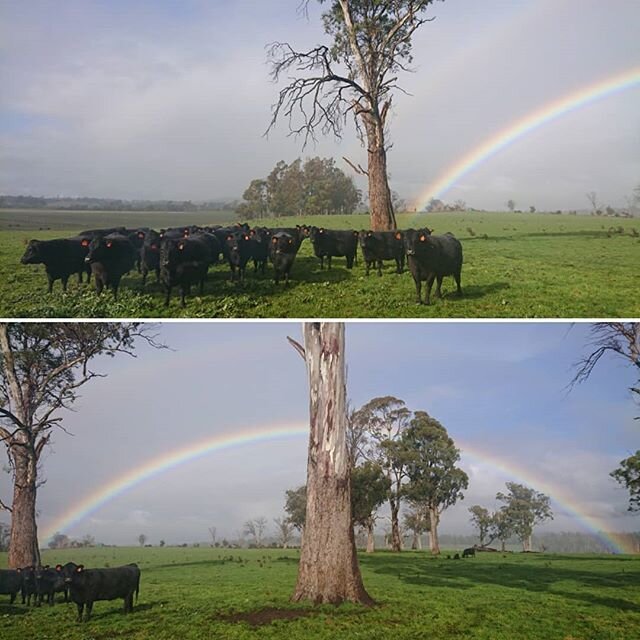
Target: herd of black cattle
pixel 83 586
pixel 181 257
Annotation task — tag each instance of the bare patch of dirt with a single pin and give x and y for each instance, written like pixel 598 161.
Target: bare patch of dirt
pixel 266 616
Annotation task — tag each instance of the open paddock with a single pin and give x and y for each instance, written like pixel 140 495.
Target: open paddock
pixel 515 265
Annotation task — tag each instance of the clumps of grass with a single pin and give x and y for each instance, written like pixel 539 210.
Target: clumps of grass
pixel 471 232
pixel 634 233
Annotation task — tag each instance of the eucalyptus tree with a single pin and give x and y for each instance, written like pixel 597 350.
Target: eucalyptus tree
pixel 481 520
pixel 382 421
pixel 328 571
pixel 523 508
pixel 434 479
pixel 42 366
pixel 369 488
pixel 354 77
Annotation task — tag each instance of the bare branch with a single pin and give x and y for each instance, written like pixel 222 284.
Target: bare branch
pixel 359 169
pixel 5 507
pixel 298 347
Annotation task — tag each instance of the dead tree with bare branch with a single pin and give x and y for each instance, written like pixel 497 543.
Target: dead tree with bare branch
pixel 353 78
pixel 621 339
pixel 42 366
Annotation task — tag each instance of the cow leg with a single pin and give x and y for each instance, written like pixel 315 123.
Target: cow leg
pixel 145 271
pixel 64 279
pixel 183 304
pixel 430 280
pixel 158 274
pixel 66 594
pixel 367 266
pixel 167 296
pixel 12 598
pixel 50 281
pixel 99 285
pixel 439 286
pixel 115 284
pixel 418 289
pixel 380 268
pixel 88 611
pixel 202 285
pixel 321 263
pixel 329 263
pixel 80 610
pixel 457 279
pixel 255 266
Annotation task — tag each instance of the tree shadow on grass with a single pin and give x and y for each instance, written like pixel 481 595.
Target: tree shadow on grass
pixel 466 574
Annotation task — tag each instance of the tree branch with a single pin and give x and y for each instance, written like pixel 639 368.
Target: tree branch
pixel 298 347
pixel 359 169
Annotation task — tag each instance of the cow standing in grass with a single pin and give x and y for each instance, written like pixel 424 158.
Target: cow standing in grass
pixel 377 246
pixel 328 243
pixel 86 586
pixel 110 258
pixel 282 252
pixel 61 258
pixel 431 258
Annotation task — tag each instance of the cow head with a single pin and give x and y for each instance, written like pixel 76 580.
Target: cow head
pixel 416 241
pixel 32 253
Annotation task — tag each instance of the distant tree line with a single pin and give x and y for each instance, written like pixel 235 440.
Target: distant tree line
pixel 314 187
pixel 111 204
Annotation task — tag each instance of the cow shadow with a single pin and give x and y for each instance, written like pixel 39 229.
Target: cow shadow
pixel 7 609
pixel 475 291
pixel 117 611
pixel 544 578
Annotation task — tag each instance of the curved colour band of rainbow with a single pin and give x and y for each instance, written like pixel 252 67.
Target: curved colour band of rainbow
pixel 521 127
pixel 165 462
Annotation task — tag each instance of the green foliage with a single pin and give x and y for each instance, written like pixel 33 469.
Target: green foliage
pixel 528 266
pixel 628 474
pixel 523 508
pixel 317 187
pixel 192 594
pixel 296 506
pixel 369 487
pixel 430 461
pixel 481 520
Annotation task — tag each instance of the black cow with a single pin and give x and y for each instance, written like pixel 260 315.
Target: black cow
pixel 298 233
pixel 88 585
pixel 29 587
pixel 48 582
pixel 238 253
pixel 382 245
pixel 282 252
pixel 110 258
pixel 65 571
pixel 432 257
pixel 150 256
pixel 61 258
pixel 259 244
pixel 92 233
pixel 470 552
pixel 11 584
pixel 184 262
pixel 137 238
pixel 328 243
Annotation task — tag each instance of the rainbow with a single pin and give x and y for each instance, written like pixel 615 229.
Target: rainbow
pixel 167 461
pixel 559 495
pixel 527 124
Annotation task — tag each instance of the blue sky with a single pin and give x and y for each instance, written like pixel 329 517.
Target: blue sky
pixel 497 388
pixel 170 99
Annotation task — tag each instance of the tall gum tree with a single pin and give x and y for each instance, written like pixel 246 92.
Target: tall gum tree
pixel 328 571
pixel 355 77
pixel 42 366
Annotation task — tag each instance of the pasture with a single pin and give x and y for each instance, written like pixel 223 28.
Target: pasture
pixel 515 265
pixel 236 594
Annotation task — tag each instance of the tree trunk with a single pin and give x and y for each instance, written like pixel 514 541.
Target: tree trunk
pixel 433 538
pixel 371 543
pixel 23 544
pixel 380 205
pixel 328 571
pixel 419 541
pixel 414 541
pixel 396 539
pixel 503 546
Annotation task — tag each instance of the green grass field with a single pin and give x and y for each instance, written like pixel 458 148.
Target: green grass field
pixel 515 265
pixel 244 594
